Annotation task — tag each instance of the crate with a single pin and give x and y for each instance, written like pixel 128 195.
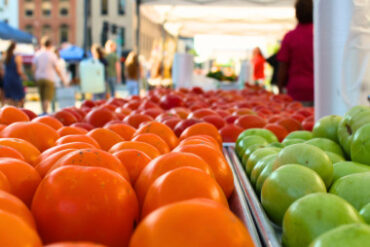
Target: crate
pixel 269 233
pixel 239 206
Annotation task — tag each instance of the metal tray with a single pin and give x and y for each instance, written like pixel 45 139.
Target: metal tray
pixel 270 234
pixel 239 205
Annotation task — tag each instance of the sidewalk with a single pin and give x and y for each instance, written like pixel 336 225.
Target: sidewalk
pixel 35 106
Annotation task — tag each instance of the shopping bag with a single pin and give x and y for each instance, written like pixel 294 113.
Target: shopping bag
pixel 92 76
pixel 65 96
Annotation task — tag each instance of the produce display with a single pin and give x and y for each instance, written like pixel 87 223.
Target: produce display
pixel 150 171
pixel 106 174
pixel 314 186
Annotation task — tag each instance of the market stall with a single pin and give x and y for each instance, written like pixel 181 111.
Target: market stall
pixel 189 167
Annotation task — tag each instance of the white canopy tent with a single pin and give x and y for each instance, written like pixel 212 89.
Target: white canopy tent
pixel 342 35
pixel 188 18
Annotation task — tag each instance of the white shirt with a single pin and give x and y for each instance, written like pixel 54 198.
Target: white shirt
pixel 62 65
pixel 45 62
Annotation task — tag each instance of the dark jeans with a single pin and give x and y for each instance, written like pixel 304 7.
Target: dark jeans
pixel 112 85
pixel 307 103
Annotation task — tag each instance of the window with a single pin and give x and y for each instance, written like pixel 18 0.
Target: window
pixel 88 6
pixel 29 8
pixel 63 12
pixel 46 12
pixel 46 30
pixel 89 37
pixel 29 12
pixel 64 7
pixel 46 8
pixel 29 29
pixel 104 7
pixel 63 33
pixel 121 7
pixel 122 36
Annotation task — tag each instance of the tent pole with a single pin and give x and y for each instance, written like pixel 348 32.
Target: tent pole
pixel 138 21
pixel 330 37
pixel 138 50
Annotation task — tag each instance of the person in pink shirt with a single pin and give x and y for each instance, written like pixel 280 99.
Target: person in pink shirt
pixel 296 69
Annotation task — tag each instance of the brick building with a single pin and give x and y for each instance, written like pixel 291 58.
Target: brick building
pixel 118 15
pixel 54 18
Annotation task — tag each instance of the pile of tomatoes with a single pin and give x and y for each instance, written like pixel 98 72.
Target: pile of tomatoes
pixel 138 172
pixel 100 181
pixel 230 112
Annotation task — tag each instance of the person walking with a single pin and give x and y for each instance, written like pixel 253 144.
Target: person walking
pixel 296 69
pixel 62 65
pixel 45 65
pixel 113 69
pixel 13 75
pixel 274 63
pixel 133 73
pixel 1 81
pixel 98 54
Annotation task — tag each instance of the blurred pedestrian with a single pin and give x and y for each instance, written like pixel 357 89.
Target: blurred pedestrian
pixel 296 71
pixel 113 67
pixel 62 65
pixel 98 54
pixel 258 62
pixel 1 81
pixel 133 73
pixel 274 63
pixel 13 75
pixel 45 65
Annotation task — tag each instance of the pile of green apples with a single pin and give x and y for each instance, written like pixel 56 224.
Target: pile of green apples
pixel 315 185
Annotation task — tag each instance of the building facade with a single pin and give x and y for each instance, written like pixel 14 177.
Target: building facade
pixel 9 12
pixel 53 18
pixel 107 19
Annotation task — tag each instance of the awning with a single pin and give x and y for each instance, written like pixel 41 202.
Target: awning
pixel 25 50
pixel 9 33
pixel 72 53
pixel 188 18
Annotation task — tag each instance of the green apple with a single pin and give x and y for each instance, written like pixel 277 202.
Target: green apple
pixel 299 134
pixel 335 158
pixel 352 235
pixel 345 168
pixel 354 188
pixel 326 145
pixel 327 127
pixel 286 185
pixel 365 213
pixel 267 134
pixel 257 169
pixel 360 146
pixel 266 171
pixel 313 215
pixel 288 142
pixel 355 118
pixel 276 145
pixel 258 155
pixel 250 150
pixel 248 141
pixel 309 156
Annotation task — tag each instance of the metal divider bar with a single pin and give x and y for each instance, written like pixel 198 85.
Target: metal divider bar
pixel 244 212
pixel 268 233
